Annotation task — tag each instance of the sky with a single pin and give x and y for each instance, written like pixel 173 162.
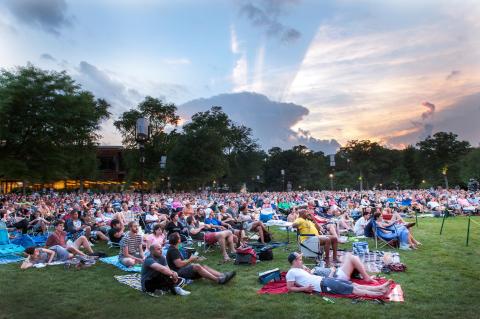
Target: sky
pixel 316 73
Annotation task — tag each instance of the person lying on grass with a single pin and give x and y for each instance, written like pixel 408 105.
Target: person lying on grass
pixel 37 255
pixel 189 270
pixel 351 265
pixel 300 279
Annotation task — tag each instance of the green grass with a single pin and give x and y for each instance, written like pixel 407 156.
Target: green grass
pixel 442 280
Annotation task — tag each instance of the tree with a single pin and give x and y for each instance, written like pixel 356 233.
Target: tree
pixel 47 122
pixel 212 147
pixel 470 165
pixel 440 154
pixel 160 115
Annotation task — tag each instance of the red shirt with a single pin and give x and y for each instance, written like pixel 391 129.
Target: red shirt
pixel 56 238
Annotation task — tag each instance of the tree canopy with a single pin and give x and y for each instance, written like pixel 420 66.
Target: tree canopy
pixel 48 125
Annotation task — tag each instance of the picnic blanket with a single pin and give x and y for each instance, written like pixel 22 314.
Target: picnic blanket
pixel 280 287
pixel 131 280
pixel 134 281
pixel 10 259
pixel 113 260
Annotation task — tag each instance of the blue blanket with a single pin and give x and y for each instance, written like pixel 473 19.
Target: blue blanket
pixel 10 259
pixel 113 260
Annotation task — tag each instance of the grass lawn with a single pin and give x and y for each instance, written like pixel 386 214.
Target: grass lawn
pixel 442 281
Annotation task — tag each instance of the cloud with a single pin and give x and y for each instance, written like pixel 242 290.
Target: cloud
pixel 265 15
pixel 46 56
pixel 234 45
pixel 271 122
pixel 240 74
pixel 453 75
pixel 105 86
pixel 365 79
pixel 461 117
pixel 177 61
pixel 50 15
pixel 430 110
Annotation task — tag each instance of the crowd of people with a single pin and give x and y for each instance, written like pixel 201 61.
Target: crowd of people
pixel 148 229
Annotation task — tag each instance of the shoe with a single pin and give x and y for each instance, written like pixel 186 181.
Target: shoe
pixel 179 291
pixel 405 248
pixel 229 276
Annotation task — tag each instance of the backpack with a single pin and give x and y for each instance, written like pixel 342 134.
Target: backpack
pixel 245 256
pixel 266 253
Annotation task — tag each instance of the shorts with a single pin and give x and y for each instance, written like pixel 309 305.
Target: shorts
pixel 188 272
pixel 336 286
pixel 210 238
pixel 339 274
pixel 61 254
pixel 247 226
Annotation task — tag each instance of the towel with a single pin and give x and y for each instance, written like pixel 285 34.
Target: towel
pixel 280 287
pixel 113 260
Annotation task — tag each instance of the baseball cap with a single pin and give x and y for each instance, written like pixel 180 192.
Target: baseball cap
pixel 293 256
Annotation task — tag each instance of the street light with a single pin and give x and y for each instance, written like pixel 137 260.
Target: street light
pixel 444 173
pixel 141 136
pixel 283 179
pixel 331 181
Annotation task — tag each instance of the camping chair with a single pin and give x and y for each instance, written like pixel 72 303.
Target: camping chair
pixel 390 239
pixel 309 251
pixel 6 247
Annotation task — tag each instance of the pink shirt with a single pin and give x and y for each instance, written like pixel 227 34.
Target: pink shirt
pixel 151 240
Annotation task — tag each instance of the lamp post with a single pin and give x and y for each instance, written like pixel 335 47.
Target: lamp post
pixel 283 179
pixel 444 173
pixel 331 181
pixel 141 136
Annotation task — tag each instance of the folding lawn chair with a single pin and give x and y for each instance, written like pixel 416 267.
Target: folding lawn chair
pixel 310 251
pixel 391 238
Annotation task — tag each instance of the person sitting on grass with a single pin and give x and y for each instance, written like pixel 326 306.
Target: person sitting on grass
pixel 38 224
pixel 189 270
pixel 131 247
pixel 300 279
pixel 156 275
pixel 360 224
pixel 116 231
pixel 57 238
pixel 44 256
pixel 156 237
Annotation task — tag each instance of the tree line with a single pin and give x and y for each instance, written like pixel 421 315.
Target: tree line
pixel 49 131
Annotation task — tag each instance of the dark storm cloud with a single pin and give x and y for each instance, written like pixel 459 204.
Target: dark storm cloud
pixel 266 15
pixel 50 15
pixel 270 121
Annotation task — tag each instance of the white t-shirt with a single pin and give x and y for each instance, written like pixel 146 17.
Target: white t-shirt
pixel 303 278
pixel 359 228
pixel 151 218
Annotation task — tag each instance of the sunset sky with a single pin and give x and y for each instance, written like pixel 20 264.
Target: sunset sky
pixel 317 73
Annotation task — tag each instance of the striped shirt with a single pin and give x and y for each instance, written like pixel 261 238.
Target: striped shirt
pixel 133 242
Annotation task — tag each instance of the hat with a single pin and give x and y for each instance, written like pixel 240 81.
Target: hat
pixel 293 256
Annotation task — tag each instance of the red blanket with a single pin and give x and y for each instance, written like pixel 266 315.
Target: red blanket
pixel 280 287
